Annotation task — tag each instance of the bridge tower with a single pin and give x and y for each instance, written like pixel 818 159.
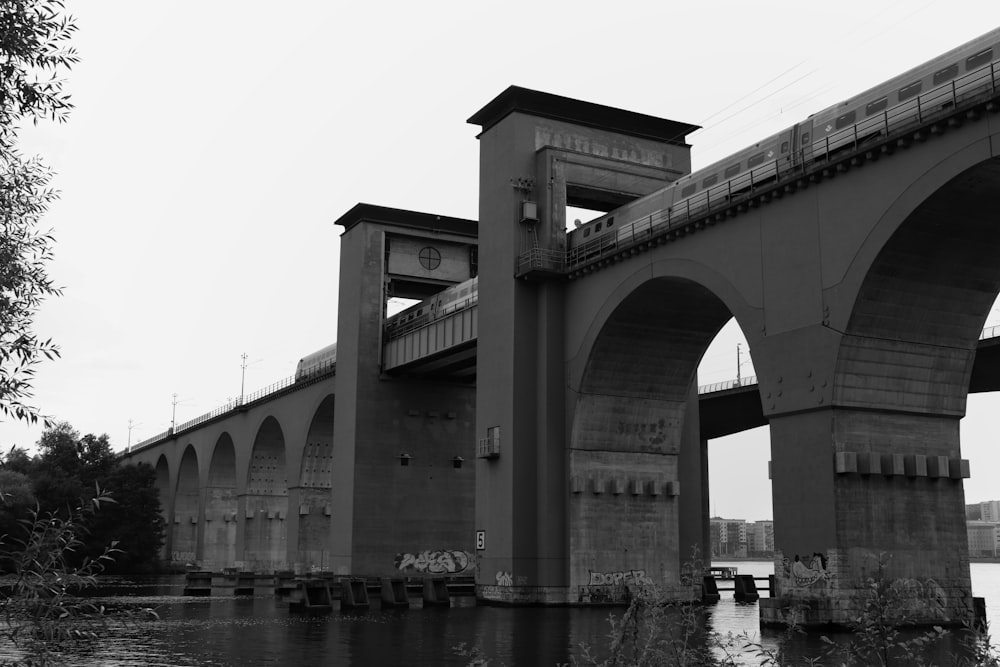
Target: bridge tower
pixel 549 511
pixel 401 439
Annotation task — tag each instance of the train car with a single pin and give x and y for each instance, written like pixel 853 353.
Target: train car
pixel 444 302
pixel 892 105
pixel 317 362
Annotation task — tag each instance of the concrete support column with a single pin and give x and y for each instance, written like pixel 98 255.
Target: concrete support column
pixel 692 469
pixel 862 494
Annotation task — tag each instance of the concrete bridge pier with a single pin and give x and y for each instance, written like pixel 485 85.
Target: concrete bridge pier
pixel 862 495
pixel 577 487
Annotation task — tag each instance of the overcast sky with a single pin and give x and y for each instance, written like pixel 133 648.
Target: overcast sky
pixel 214 143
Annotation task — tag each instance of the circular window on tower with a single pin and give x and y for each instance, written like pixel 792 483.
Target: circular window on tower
pixel 430 258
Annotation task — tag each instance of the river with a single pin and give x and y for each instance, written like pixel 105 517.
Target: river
pixel 257 631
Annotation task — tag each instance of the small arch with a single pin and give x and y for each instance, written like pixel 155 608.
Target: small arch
pixel 184 543
pixel 221 506
pixel 315 481
pixel 266 500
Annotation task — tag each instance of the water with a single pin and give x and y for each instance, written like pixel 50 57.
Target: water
pixel 258 631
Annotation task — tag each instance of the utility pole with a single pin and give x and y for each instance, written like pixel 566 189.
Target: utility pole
pixel 738 364
pixel 243 374
pixel 173 415
pixel 132 425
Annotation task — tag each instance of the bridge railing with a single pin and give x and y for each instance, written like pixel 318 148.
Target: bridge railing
pixel 990 332
pixel 935 104
pixel 311 373
pixel 728 384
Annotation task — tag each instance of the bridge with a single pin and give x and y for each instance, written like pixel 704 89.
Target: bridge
pixel 510 437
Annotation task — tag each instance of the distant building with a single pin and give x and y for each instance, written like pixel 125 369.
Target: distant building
pixel 990 511
pixel 984 538
pixel 729 537
pixel 973 512
pixel 760 539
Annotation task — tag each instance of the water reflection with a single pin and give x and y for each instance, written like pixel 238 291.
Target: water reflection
pixel 257 631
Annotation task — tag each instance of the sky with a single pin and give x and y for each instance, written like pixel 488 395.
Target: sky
pixel 214 143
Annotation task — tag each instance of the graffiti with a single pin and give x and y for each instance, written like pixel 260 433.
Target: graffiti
pixel 913 597
pixel 604 594
pixel 434 562
pixel 624 578
pixel 182 556
pixel 504 579
pixel 800 575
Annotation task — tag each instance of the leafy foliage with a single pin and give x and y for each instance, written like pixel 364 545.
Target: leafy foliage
pixel 70 467
pixel 33 52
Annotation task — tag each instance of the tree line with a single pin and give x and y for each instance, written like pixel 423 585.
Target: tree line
pixel 69 468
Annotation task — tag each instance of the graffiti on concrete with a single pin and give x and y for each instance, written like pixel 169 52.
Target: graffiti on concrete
pixel 623 578
pixel 504 579
pixel 913 596
pixel 435 562
pixel 797 574
pixel 182 556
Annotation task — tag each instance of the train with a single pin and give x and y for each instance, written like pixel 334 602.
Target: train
pixel 959 74
pixel 316 362
pixel 446 301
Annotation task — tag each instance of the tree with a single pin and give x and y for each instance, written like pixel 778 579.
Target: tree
pixel 69 467
pixel 33 52
pixel 134 523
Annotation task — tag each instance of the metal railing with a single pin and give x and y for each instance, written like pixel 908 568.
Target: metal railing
pixel 936 104
pixel 541 259
pixel 314 372
pixel 748 381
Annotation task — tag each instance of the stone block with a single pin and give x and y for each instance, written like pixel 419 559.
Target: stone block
pixel 938 466
pixel 846 462
pixel 893 464
pixel 959 468
pixel 915 465
pixel 869 463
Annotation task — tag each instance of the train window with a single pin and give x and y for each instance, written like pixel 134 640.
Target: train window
pixel 978 60
pixel 805 138
pixel 598 226
pixel 878 105
pixel 732 170
pixel 946 74
pixel 784 146
pixel 689 190
pixel 844 120
pixel 710 181
pixel 755 160
pixel 906 92
pixel 611 221
pixel 586 232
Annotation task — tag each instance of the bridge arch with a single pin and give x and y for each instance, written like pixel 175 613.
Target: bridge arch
pixel 629 432
pixel 315 481
pixel 184 542
pixel 922 286
pixel 266 500
pixel 221 506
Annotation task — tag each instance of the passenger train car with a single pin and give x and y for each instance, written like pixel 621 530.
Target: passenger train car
pixel 900 102
pixel 444 302
pixel 316 362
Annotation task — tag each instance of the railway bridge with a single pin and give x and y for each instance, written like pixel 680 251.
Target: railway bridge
pixel 549 438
